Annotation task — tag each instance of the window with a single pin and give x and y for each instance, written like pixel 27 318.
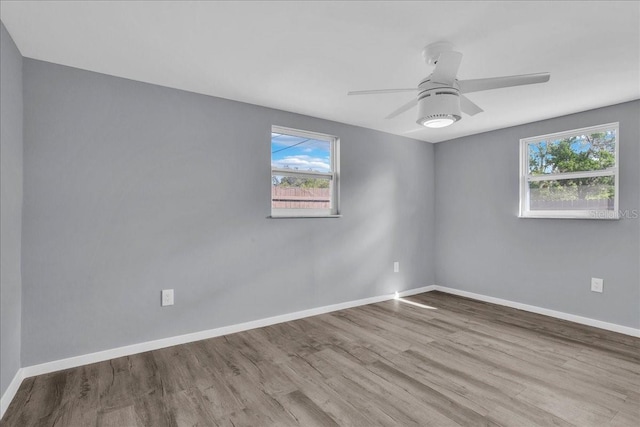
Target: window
pixel 571 174
pixel 304 174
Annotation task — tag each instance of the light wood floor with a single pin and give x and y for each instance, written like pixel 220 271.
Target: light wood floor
pixel 465 363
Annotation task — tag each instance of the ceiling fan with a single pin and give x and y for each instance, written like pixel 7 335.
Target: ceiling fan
pixel 440 98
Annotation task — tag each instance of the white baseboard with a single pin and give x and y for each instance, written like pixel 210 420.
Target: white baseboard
pixel 11 391
pixel 100 356
pixel 544 311
pixel 72 362
pixel 417 291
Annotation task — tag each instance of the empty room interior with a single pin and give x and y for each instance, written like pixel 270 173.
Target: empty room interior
pixel 257 213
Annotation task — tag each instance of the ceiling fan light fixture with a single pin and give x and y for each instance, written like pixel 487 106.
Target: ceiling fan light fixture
pixel 438 122
pixel 441 98
pixel 438 109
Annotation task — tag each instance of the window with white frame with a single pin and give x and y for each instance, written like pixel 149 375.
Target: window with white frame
pixel 572 174
pixel 304 173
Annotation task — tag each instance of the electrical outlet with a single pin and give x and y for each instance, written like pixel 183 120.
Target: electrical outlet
pixel 396 267
pixel 167 297
pixel 597 285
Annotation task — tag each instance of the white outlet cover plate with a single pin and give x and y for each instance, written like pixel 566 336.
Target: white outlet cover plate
pixel 167 297
pixel 396 267
pixel 597 284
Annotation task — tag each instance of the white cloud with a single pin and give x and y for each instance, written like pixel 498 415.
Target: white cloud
pixel 302 162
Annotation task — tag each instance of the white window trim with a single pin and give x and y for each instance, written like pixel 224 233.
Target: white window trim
pixel 525 178
pixel 333 176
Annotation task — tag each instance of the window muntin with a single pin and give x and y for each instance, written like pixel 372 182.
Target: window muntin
pixel 304 173
pixel 571 174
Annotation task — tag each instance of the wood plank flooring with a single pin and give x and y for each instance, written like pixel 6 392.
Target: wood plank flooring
pixel 462 363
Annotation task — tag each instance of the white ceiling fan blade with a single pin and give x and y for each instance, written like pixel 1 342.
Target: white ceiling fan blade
pixel 476 85
pixel 468 107
pixel 446 67
pixel 377 91
pixel 409 105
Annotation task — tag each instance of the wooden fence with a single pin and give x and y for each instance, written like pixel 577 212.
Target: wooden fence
pixel 300 198
pixel 583 204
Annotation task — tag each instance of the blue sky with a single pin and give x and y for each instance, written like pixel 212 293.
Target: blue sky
pixel 580 145
pixel 295 152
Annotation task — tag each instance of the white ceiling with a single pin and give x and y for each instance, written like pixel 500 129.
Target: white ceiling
pixel 305 56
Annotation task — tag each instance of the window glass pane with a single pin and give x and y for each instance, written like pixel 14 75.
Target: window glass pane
pixel 291 192
pixel 299 153
pixel 596 193
pixel 594 151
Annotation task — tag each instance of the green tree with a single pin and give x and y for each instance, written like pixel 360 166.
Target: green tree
pixel 584 153
pixel 290 181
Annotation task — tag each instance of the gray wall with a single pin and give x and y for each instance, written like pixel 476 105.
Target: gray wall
pixel 483 247
pixel 131 188
pixel 10 206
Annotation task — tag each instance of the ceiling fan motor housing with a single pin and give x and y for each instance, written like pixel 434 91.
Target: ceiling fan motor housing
pixel 438 107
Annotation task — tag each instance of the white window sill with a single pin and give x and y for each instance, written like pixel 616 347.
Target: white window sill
pixel 302 216
pixel 597 216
